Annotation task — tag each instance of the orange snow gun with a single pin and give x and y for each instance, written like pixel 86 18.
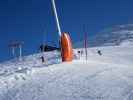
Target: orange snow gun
pixel 66 48
pixel 66 45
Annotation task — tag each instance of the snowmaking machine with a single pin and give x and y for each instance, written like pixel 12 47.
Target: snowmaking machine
pixel 66 47
pixel 65 41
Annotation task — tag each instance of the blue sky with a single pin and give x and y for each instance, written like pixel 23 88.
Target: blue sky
pixel 32 21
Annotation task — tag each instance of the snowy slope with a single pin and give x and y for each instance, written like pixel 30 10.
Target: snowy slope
pixel 106 77
pixel 28 62
pixel 113 36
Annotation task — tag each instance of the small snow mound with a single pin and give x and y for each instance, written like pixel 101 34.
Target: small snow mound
pixel 126 43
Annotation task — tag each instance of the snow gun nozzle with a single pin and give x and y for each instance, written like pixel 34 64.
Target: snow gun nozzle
pixel 66 48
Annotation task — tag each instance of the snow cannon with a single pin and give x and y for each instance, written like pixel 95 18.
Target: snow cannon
pixel 66 48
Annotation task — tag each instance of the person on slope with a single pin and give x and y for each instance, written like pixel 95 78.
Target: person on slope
pixel 99 52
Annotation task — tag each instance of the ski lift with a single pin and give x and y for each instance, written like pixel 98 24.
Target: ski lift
pixel 14 45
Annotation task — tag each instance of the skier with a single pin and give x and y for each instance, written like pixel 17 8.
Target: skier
pixel 99 52
pixel 79 53
pixel 42 58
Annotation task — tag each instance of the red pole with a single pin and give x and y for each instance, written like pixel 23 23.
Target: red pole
pixel 85 43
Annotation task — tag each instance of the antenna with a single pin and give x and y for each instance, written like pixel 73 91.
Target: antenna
pixel 56 17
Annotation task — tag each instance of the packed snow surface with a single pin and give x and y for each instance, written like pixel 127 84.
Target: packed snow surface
pixel 105 77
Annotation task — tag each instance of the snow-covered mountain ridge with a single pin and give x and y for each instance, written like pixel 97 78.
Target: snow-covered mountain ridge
pixel 116 35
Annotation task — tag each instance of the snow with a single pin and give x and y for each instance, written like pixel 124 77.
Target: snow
pixel 112 36
pixel 105 77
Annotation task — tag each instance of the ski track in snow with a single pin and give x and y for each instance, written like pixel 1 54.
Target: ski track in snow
pixel 106 77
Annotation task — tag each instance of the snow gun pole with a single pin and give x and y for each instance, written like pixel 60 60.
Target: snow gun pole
pixel 56 17
pixel 65 41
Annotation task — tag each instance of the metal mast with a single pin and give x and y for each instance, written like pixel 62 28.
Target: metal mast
pixel 56 17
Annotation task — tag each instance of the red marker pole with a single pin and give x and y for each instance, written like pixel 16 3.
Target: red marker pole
pixel 85 44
